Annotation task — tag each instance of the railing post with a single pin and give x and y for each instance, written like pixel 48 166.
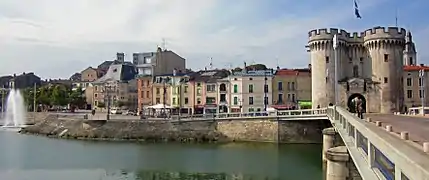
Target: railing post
pixel 371 154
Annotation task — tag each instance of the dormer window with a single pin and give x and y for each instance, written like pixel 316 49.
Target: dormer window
pixel 115 70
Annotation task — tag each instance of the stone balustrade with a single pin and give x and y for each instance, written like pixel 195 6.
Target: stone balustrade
pixel 377 152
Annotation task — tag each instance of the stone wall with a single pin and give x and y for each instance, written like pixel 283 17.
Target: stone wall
pixel 299 131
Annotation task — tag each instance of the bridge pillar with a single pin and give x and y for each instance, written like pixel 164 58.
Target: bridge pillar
pixel 328 141
pixel 336 167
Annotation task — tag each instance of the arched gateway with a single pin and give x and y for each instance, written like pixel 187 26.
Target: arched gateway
pixel 351 105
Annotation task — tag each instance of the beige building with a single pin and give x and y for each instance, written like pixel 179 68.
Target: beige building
pixel 413 85
pixel 251 90
pixel 291 88
pixel 370 66
pixel 117 86
pixel 158 63
pixel 89 74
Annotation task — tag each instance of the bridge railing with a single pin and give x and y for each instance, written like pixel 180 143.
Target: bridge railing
pixel 377 153
pixel 279 114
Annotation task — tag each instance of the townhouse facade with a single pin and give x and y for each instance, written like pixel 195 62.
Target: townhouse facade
pixel 151 64
pixel 292 88
pixel 251 90
pixel 415 87
pixel 116 88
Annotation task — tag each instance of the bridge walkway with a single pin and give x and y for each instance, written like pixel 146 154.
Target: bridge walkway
pixel 417 127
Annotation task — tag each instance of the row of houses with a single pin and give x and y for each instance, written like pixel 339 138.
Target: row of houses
pixel 161 77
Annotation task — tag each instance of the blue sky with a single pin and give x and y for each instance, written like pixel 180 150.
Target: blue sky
pixel 68 36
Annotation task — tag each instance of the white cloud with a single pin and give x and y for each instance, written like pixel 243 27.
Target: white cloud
pixel 69 35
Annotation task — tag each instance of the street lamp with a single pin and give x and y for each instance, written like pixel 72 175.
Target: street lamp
pixel 335 46
pixel 422 89
pixel 266 87
pixel 108 90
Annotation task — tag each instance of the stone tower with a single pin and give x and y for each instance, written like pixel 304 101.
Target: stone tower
pixel 370 67
pixel 410 54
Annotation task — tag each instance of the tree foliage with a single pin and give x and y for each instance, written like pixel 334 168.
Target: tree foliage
pixel 54 96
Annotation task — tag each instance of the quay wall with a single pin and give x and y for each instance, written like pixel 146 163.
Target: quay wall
pixel 262 129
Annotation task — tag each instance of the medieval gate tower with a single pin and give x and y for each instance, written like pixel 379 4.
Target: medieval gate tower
pixel 370 66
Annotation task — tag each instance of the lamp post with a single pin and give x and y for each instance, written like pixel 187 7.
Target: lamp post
pixel 335 46
pixel 422 89
pixel 108 91
pixel 34 98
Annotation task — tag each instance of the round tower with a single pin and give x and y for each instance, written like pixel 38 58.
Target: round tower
pixel 322 55
pixel 385 49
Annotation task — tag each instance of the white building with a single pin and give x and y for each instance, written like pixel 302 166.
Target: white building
pixel 251 91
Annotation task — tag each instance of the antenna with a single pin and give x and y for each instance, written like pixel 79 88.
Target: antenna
pixel 396 17
pixel 164 44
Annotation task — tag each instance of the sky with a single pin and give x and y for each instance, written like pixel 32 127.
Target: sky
pixel 56 38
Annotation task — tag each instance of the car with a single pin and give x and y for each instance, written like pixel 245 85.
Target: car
pixel 131 113
pixel 115 111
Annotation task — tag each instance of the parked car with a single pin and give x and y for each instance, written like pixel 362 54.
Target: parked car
pixel 115 111
pixel 131 113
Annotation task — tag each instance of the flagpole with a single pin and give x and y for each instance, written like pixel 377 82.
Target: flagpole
pixel 396 17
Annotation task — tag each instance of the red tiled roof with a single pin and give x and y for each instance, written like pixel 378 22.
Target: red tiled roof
pixel 416 68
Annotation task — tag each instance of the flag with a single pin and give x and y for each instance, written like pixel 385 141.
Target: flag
pixel 357 14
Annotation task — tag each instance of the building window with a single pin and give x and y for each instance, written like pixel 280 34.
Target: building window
pixel 250 88
pixel 186 100
pixel 96 88
pixel 235 88
pixel 361 59
pixel 409 94
pixel 288 86
pixel 280 99
pixel 385 80
pixel 157 91
pixel 293 86
pixel 174 101
pixel 250 100
pixel 410 61
pixel 293 98
pixel 198 100
pixel 266 101
pixel 95 95
pixel 222 87
pixel 409 82
pixel 420 82
pixel 266 88
pixel 250 79
pixel 280 86
pixel 158 100
pixel 386 58
pixel 211 88
pixel 210 100
pixel 288 97
pixel 235 100
pixel 185 89
pixel 198 84
pixel 355 71
pixel 222 98
pixel 251 109
pixel 199 92
pixel 421 93
pixel 327 59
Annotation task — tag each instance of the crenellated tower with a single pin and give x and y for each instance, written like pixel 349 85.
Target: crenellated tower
pixel 370 66
pixel 385 49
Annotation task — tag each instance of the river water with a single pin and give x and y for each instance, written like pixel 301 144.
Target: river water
pixel 25 157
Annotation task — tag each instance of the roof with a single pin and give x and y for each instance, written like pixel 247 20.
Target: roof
pixel 119 72
pixel 209 76
pixel 416 68
pixel 293 72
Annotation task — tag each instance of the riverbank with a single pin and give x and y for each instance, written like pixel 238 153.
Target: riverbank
pixel 260 130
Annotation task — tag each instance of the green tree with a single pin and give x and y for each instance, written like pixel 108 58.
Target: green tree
pixel 59 96
pixel 77 98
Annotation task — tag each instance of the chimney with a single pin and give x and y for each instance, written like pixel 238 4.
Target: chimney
pixel 278 67
pixel 120 57
pixel 205 68
pixel 14 75
pixel 309 66
pixel 422 65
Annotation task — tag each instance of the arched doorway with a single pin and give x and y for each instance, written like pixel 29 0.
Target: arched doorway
pixel 350 105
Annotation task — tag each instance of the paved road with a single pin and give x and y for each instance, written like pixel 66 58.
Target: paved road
pixel 418 127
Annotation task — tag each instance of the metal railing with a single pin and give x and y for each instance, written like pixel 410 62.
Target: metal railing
pixel 377 153
pixel 249 115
